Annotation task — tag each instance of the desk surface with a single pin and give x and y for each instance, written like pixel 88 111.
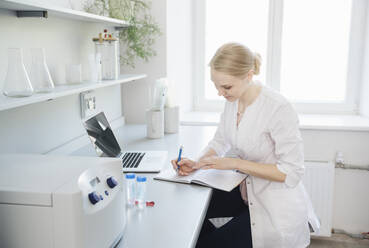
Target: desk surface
pixel 176 218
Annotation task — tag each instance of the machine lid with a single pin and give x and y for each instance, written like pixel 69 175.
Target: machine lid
pixel 31 179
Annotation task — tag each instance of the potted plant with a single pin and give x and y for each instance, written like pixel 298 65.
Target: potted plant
pixel 138 38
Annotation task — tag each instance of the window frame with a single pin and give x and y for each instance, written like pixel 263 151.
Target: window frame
pixel 273 60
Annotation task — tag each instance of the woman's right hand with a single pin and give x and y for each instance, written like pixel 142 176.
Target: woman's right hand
pixel 186 166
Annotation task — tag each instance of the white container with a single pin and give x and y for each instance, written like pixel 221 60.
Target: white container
pixel 141 192
pixel 58 73
pixel 74 73
pixel 130 188
pixel 171 119
pixel 155 124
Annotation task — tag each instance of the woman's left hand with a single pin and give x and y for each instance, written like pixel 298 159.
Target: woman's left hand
pixel 217 163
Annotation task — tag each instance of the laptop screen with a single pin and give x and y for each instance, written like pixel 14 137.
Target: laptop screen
pixel 102 136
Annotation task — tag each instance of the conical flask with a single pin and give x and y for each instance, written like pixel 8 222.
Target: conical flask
pixel 17 82
pixel 39 73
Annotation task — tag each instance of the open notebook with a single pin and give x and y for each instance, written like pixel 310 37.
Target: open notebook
pixel 220 179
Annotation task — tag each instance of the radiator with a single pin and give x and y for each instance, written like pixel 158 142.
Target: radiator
pixel 319 183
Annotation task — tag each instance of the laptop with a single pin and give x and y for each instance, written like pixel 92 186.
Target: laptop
pixel 106 145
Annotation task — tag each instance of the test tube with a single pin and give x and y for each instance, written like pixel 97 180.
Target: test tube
pixel 141 192
pixel 130 188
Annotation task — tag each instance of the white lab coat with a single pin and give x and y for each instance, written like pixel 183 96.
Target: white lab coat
pixel 269 133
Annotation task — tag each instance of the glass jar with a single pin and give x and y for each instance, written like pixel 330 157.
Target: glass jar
pixel 112 60
pixel 108 50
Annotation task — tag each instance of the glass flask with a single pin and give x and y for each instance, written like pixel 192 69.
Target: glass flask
pixel 39 73
pixel 17 82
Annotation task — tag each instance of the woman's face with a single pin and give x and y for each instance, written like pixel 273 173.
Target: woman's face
pixel 230 87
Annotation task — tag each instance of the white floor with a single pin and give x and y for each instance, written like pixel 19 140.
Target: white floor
pixel 339 241
pixel 335 241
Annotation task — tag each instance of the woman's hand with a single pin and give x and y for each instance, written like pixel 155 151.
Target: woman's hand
pixel 218 163
pixel 186 166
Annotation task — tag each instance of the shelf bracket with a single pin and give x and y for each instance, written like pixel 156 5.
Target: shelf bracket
pixel 32 13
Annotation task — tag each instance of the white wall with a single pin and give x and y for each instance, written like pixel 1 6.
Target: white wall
pixel 40 127
pixel 174 49
pixel 136 94
pixel 364 104
pixel 179 50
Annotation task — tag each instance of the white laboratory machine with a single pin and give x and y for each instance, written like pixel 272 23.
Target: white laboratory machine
pixel 61 201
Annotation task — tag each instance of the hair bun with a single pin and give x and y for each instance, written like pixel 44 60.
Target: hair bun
pixel 257 63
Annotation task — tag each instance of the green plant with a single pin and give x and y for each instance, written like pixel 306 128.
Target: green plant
pixel 137 39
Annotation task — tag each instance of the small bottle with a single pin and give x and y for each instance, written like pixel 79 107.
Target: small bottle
pixel 130 186
pixel 141 192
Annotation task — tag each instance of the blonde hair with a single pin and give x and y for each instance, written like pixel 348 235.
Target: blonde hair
pixel 236 60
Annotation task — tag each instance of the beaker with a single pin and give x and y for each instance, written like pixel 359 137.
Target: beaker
pixel 17 82
pixel 39 73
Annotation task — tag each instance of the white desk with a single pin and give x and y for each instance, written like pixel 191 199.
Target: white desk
pixel 176 218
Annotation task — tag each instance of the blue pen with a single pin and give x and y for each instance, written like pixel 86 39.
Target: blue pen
pixel 179 156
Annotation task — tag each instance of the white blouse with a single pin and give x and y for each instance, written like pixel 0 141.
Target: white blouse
pixel 269 133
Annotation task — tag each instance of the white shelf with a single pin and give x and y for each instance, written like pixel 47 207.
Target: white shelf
pixel 64 90
pixel 24 5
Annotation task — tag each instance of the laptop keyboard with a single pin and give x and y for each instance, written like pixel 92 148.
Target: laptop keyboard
pixel 132 159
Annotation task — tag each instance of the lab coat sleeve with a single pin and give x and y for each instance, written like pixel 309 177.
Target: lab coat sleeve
pixel 289 148
pixel 219 143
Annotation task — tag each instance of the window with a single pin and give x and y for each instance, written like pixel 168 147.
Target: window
pixel 310 48
pixel 315 50
pixel 227 21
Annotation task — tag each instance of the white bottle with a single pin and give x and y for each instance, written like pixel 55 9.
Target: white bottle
pixel 141 192
pixel 130 188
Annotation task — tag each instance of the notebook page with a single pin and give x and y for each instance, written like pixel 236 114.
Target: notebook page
pixel 171 175
pixel 219 179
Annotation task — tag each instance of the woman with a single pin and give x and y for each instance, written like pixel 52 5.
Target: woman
pixel 260 127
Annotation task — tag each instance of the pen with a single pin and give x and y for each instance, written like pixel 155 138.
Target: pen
pixel 179 156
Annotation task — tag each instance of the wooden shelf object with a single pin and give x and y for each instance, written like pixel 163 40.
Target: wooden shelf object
pixel 64 90
pixel 21 6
